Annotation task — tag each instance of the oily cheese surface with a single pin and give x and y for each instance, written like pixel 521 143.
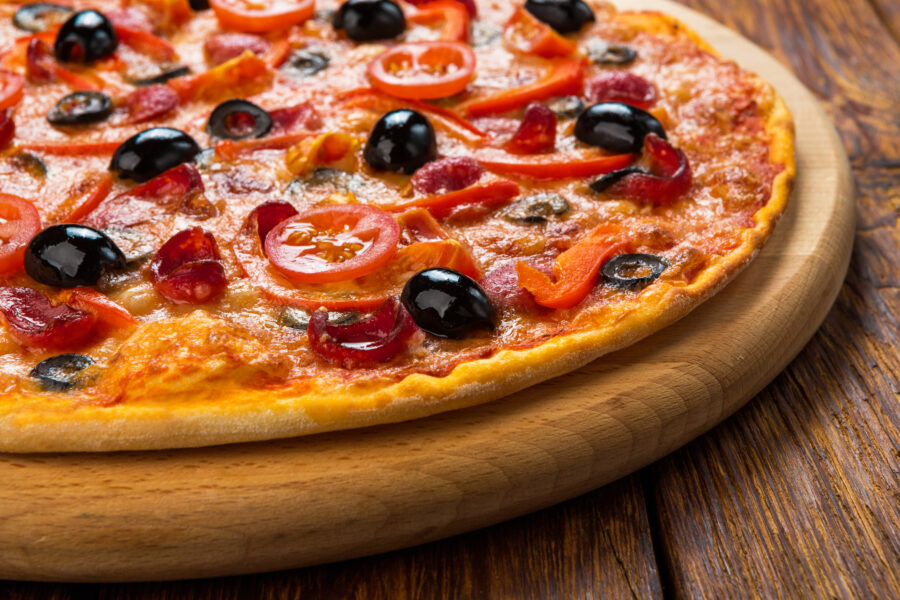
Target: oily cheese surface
pixel 213 383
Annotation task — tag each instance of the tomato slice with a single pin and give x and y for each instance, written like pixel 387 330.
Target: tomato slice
pixel 423 70
pixel 333 243
pixel 11 86
pixel 525 33
pixel 19 222
pixel 257 16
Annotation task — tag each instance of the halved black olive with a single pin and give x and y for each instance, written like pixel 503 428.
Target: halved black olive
pixel 605 53
pixel 81 108
pixel 565 16
pixel 632 271
pixel 616 127
pixel 446 303
pixel 335 179
pixel 370 20
pixel 537 208
pixel 163 77
pixel 566 107
pixel 305 63
pixel 199 5
pixel 71 255
pixel 603 182
pixel 60 373
pixel 296 318
pixel 401 141
pixel 147 154
pixel 40 16
pixel 30 163
pixel 238 120
pixel 85 37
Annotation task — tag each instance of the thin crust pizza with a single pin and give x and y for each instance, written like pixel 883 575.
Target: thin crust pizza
pixel 233 221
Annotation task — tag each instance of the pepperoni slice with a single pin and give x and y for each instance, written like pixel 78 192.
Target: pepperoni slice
pixel 447 175
pixel 621 86
pixel 152 102
pixel 536 133
pixel 225 46
pixel 188 268
pixel 33 321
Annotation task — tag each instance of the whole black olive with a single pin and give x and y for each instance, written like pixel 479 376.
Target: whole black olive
pixel 401 141
pixel 369 20
pixel 199 5
pixel 632 271
pixel 80 108
pixel 565 16
pixel 39 16
pixel 163 77
pixel 604 53
pixel 60 373
pixel 238 120
pixel 71 256
pixel 305 63
pixel 537 208
pixel 85 37
pixel 446 303
pixel 152 151
pixel 616 127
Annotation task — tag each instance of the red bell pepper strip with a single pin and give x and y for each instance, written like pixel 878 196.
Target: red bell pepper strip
pixel 453 16
pixel 88 148
pixel 575 270
pixel 552 166
pixel 487 194
pixel 242 76
pixel 230 149
pixel 107 310
pixel 146 43
pixel 564 77
pixel 525 33
pixel 93 199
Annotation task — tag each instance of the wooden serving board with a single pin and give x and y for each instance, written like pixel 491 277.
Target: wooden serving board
pixel 275 505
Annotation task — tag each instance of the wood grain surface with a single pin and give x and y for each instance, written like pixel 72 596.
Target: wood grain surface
pixel 794 496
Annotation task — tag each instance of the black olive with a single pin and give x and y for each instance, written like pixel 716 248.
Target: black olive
pixel 152 151
pixel 566 107
pixel 401 141
pixel 296 318
pixel 85 37
pixel 29 162
pixel 163 77
pixel 60 373
pixel 40 16
pixel 238 120
pixel 446 303
pixel 604 53
pixel 537 208
pixel 565 16
pixel 305 63
pixel 81 108
pixel 632 271
pixel 334 179
pixel 370 20
pixel 71 255
pixel 605 181
pixel 616 127
pixel 199 4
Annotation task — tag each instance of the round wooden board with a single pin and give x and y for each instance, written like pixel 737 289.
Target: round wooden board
pixel 275 505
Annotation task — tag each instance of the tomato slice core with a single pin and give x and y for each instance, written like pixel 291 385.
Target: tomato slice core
pixel 333 243
pixel 423 70
pixel 257 16
pixel 19 222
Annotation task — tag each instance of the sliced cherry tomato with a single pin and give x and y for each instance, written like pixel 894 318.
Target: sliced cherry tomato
pixel 106 310
pixel 423 70
pixel 564 77
pixel 556 165
pixel 525 33
pixel 333 243
pixel 19 222
pixel 188 268
pixel 11 86
pixel 35 322
pixel 7 127
pixel 490 194
pixel 575 269
pixel 452 15
pixel 256 16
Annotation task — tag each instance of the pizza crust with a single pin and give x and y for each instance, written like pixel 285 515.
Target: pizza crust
pixel 232 414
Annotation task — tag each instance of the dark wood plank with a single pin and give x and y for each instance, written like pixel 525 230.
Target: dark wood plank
pixel 799 493
pixel 595 546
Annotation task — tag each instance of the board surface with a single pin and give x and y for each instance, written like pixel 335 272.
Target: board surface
pixel 274 505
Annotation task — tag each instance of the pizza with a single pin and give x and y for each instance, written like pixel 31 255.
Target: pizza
pixel 232 221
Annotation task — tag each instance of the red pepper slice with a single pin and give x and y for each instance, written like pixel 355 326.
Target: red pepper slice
pixel 450 14
pixel 470 6
pixel 97 195
pixel 575 270
pixel 377 338
pixel 551 166
pixel 525 33
pixel 188 269
pixel 7 127
pixel 106 310
pixel 239 77
pixel 423 70
pixel 564 77
pixel 536 132
pixel 11 86
pixel 146 43
pixel 85 149
pixel 34 322
pixel 261 16
pixel 670 180
pixel 490 194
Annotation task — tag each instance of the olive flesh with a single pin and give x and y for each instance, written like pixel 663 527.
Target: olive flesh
pixel 401 141
pixel 40 16
pixel 71 256
pixel 151 152
pixel 60 373
pixel 238 120
pixel 85 37
pixel 446 303
pixel 81 108
pixel 305 63
pixel 537 208
pixel 632 271
pixel 370 20
pixel 616 127
pixel 565 16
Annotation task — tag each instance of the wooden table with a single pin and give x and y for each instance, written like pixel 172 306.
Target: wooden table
pixel 798 494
